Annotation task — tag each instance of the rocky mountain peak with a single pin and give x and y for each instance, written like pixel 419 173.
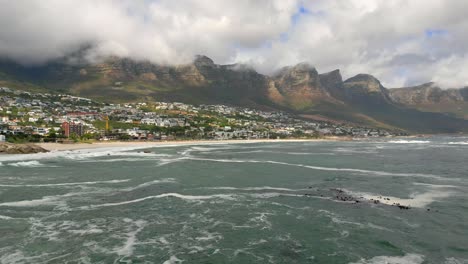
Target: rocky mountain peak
pixel 364 83
pixel 333 77
pixel 204 61
pixel 333 83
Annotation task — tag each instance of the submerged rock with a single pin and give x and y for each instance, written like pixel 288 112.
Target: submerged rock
pixel 8 148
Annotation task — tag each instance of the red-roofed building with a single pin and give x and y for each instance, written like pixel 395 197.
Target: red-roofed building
pixel 72 128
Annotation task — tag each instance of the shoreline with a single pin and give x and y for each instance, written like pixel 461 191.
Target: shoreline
pixel 149 144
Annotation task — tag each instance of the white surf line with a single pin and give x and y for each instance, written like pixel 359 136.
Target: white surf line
pixel 146 184
pixel 173 195
pixel 262 188
pixel 63 184
pixel 438 185
pixel 381 173
pixel 408 141
pixel 112 149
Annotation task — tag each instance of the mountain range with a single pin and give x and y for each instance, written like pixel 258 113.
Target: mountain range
pixel 299 89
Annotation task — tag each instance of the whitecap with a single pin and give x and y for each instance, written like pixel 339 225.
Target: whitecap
pixel 207 236
pixel 406 259
pixel 87 231
pixel 173 260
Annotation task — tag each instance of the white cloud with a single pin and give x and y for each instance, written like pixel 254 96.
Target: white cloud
pixel 401 42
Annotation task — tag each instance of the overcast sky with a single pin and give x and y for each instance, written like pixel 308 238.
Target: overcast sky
pixel 401 42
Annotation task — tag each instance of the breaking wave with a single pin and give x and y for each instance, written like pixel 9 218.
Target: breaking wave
pixel 164 195
pixel 458 143
pixel 31 164
pixel 146 184
pixel 409 141
pixel 4 217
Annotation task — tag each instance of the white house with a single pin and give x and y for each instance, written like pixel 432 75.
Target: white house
pixel 2 138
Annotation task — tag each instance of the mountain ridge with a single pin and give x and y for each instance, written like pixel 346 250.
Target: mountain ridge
pixel 299 89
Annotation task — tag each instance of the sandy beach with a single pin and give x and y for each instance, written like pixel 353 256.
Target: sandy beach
pixel 112 144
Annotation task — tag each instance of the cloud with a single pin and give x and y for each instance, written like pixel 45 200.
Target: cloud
pixel 400 42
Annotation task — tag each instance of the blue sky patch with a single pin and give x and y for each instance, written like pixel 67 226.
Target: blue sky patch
pixel 435 32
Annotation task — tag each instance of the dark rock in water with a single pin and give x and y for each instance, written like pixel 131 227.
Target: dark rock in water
pixel 403 207
pixel 8 148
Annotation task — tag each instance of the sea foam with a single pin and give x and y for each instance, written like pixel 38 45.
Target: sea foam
pixel 63 184
pixel 128 247
pixel 173 260
pixel 419 200
pixel 406 259
pixel 48 200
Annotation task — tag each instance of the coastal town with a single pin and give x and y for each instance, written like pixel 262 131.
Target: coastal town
pixel 45 117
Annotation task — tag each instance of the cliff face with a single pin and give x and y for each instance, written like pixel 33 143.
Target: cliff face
pixel 333 83
pixel 431 98
pixel 364 86
pixel 301 89
pixel 427 93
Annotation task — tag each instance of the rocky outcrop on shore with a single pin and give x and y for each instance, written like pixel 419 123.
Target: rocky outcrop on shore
pixel 8 148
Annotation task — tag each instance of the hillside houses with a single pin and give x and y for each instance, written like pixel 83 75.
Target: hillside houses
pixel 41 114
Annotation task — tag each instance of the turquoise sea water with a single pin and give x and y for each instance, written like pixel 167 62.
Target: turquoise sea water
pixel 277 202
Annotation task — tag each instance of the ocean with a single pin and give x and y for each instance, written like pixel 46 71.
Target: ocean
pixel 366 201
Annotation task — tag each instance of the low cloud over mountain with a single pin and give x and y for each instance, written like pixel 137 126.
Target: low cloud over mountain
pixel 400 42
